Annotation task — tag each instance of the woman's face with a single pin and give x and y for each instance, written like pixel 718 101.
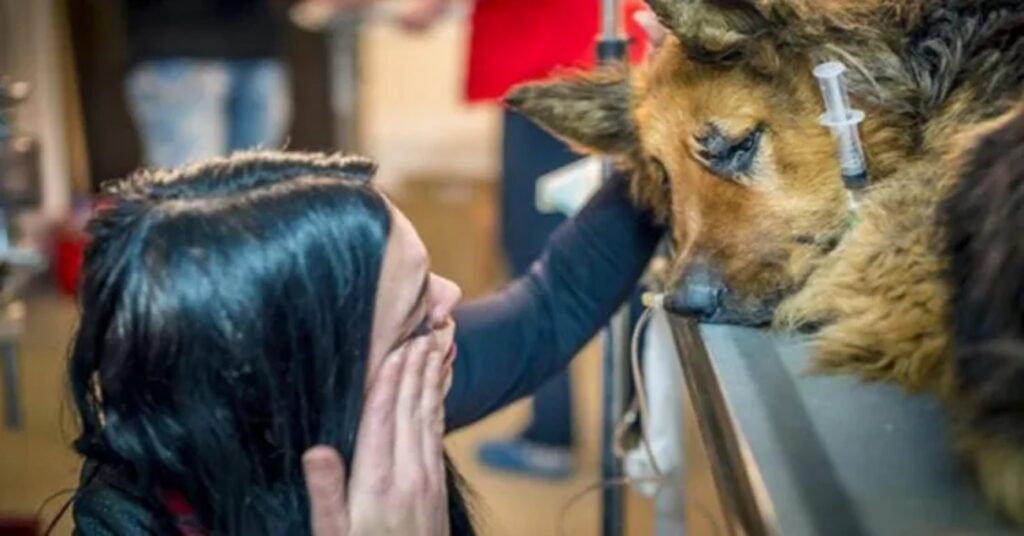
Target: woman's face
pixel 411 301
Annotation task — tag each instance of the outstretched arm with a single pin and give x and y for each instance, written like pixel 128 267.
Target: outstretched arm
pixel 510 343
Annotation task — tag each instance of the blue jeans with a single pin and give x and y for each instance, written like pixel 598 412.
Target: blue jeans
pixel 528 152
pixel 191 109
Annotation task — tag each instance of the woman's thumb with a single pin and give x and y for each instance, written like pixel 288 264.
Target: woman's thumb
pixel 325 483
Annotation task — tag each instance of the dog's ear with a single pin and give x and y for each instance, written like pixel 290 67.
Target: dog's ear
pixel 590 111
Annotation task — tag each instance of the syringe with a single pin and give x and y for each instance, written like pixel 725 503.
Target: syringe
pixel 843 121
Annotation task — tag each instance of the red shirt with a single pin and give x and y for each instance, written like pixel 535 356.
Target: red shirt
pixel 515 41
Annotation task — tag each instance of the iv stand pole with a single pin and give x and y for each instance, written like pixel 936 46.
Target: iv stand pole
pixel 345 78
pixel 611 47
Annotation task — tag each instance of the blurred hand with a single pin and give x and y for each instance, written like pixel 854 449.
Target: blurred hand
pixel 419 15
pixel 656 33
pixel 342 5
pixel 316 15
pixel 397 485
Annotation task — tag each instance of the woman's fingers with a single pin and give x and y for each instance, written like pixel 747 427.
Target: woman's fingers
pixel 325 483
pixel 432 396
pixel 432 417
pixel 419 15
pixel 420 436
pixel 398 484
pixel 408 424
pixel 375 444
pixel 411 385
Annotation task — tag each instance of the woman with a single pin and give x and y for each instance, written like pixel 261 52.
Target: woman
pixel 545 37
pixel 238 312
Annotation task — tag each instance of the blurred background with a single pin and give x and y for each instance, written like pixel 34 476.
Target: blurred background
pixel 368 86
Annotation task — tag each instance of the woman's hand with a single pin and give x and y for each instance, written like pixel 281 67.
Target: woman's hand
pixel 318 15
pixel 398 475
pixel 420 15
pixel 656 33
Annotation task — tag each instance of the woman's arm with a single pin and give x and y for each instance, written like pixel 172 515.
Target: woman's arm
pixel 510 343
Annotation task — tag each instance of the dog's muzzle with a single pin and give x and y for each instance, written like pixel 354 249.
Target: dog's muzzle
pixel 701 293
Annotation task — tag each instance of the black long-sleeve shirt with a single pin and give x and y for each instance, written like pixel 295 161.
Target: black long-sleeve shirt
pixel 510 343
pixel 204 29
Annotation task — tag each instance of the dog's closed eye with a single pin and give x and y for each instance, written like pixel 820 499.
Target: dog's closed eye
pixel 727 157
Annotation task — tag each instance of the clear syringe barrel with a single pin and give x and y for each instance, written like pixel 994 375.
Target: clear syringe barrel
pixel 844 122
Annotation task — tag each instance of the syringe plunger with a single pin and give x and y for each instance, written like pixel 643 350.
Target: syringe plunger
pixel 843 121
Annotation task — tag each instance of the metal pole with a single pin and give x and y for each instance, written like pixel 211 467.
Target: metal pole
pixel 11 384
pixel 5 233
pixel 345 88
pixel 611 47
pixel 613 497
pixel 610 13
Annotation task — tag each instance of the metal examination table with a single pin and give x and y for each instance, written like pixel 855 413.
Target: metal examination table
pixel 797 454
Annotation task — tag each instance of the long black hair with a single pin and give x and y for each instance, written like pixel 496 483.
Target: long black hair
pixel 226 313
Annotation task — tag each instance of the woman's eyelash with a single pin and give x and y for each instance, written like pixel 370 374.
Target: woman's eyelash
pixel 424 328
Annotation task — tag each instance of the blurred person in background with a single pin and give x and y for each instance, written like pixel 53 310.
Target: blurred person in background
pixel 512 42
pixel 206 77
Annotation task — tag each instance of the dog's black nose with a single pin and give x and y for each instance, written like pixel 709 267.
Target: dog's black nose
pixel 699 293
